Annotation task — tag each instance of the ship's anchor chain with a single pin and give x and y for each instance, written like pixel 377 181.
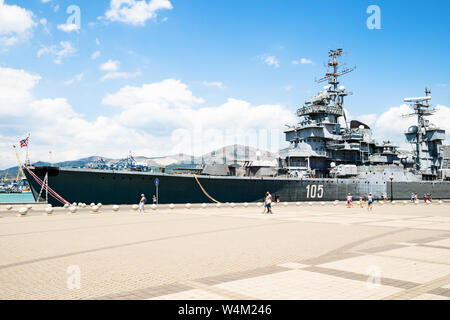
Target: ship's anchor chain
pixel 204 191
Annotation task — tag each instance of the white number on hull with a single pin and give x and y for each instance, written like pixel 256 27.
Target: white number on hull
pixel 313 191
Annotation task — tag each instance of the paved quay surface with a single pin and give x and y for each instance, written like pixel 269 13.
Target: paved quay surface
pixel 399 251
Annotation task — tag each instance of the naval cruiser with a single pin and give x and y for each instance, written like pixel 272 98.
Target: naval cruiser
pixel 327 158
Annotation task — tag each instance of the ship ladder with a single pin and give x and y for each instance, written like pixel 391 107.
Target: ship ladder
pixel 204 191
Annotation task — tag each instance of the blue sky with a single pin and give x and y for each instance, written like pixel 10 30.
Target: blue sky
pixel 217 50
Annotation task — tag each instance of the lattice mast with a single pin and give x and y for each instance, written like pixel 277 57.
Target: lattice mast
pixel 421 109
pixel 335 92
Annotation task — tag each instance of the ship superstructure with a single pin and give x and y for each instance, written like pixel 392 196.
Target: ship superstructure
pixel 426 139
pixel 322 144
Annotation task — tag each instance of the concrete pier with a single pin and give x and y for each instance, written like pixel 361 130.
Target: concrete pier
pixel 302 251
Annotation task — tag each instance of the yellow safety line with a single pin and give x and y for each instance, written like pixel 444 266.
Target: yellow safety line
pixel 204 191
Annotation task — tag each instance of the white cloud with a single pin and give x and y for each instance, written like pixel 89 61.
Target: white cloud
pixel 110 65
pixel 121 75
pixel 65 50
pixel 154 119
pixel 68 27
pixel 15 86
pixel 95 55
pixel 112 68
pixel 170 107
pixel 16 23
pixel 217 84
pixel 76 78
pixel 271 61
pixel 390 125
pixel 135 12
pixel 302 61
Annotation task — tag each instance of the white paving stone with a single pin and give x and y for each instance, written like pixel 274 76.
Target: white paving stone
pixel 419 253
pixel 429 296
pixel 304 285
pixel 400 223
pixel 391 267
pixel 195 294
pixel 440 243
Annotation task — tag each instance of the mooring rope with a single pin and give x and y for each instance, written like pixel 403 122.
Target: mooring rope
pixel 204 191
pixel 46 186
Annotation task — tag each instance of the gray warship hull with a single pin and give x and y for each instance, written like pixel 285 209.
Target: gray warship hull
pixel 117 187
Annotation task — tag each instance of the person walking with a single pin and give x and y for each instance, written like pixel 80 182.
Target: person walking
pixel 370 202
pixel 425 197
pixel 142 203
pixel 349 200
pixel 277 198
pixel 361 204
pixel 412 197
pixel 265 203
pixel 269 202
pixel 155 201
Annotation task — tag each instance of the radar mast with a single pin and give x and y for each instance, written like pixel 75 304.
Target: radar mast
pixel 425 136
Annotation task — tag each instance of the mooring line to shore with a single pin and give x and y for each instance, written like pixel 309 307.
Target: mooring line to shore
pixel 204 191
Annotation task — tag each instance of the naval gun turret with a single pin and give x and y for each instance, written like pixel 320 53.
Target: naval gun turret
pixel 426 138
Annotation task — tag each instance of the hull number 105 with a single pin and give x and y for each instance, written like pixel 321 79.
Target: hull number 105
pixel 314 192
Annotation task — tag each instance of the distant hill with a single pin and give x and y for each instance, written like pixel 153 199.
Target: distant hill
pixel 230 154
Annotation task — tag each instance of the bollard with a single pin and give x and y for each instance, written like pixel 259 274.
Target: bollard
pixel 154 207
pixel 322 203
pixel 172 206
pixel 218 205
pixel 9 207
pixel 336 202
pixel 99 205
pixel 405 203
pixel 48 211
pixel 232 205
pixel 393 202
pixel 285 204
pixel 95 209
pixel 73 209
pixel 298 204
pixel 134 207
pixel 116 208
pixel 204 205
pixel 188 205
pixel 259 204
pixel 92 204
pixel 246 205
pixel 440 202
pixel 22 212
pixel 310 204
pixel 29 206
pixel 66 206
